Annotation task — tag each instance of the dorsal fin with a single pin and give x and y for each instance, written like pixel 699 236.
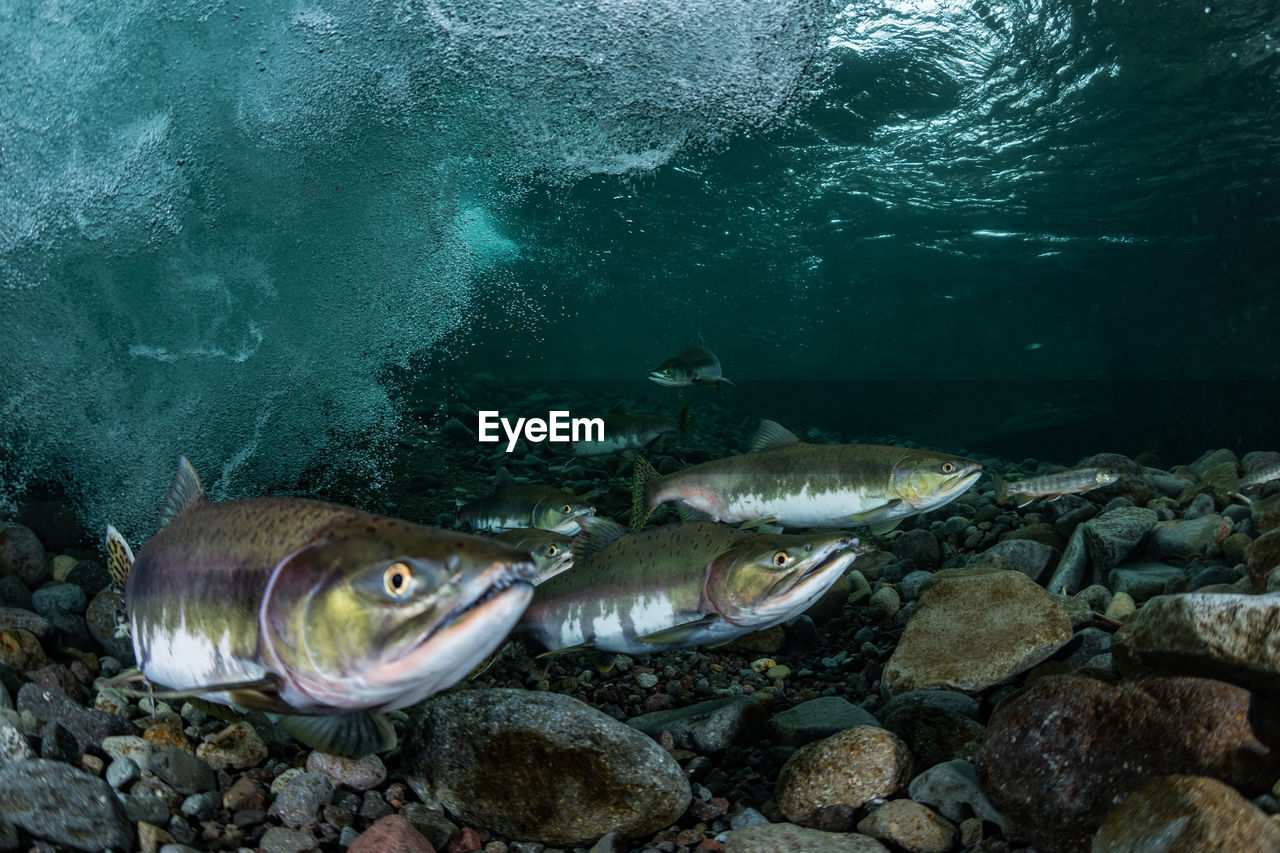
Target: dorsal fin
pixel 596 533
pixel 503 478
pixel 185 493
pixel 770 434
pixel 119 558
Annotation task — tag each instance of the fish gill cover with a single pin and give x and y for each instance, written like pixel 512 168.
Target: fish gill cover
pixel 221 223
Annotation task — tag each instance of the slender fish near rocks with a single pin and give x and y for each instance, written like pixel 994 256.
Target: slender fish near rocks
pixel 692 366
pixel 513 505
pixel 323 614
pixel 1053 486
pixel 786 482
pixel 1255 479
pixel 681 585
pixel 551 551
pixel 625 431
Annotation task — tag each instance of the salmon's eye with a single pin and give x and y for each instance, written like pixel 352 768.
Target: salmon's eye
pixel 566 508
pixel 396 579
pixel 781 559
pixel 552 550
pixel 948 467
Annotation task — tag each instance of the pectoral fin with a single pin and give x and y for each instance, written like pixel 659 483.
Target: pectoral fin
pixel 758 523
pixel 345 735
pixel 880 528
pixel 688 513
pixel 680 634
pixel 268 685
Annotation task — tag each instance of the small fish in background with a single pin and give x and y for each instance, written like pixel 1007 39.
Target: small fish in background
pixel 680 585
pixel 1254 480
pixel 692 366
pixel 786 482
pixel 625 431
pixel 512 506
pixel 1053 486
pixel 551 551
pixel 322 614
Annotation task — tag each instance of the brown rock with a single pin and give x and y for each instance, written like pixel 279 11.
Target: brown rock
pixel 848 768
pixel 391 834
pixel 234 748
pixel 245 795
pixel 21 650
pixel 1222 635
pixel 1218 481
pixel 13 617
pixel 528 764
pixel 1265 514
pixel 22 556
pixel 166 731
pixel 1234 548
pixel 973 628
pixel 777 837
pixel 1060 752
pixel 911 826
pixel 1189 814
pixel 1262 555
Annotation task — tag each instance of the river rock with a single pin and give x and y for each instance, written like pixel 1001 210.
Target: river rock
pixel 1186 813
pixel 1028 556
pixel 1146 580
pixel 391 834
pixel 911 826
pixel 1059 753
pixel 952 788
pixel 299 802
pixel 22 555
pixel 541 766
pixel 974 628
pixel 846 769
pixel 100 619
pixel 920 547
pixel 1067 577
pixel 934 735
pixel 1262 556
pixel 1112 536
pixel 58 803
pixel 707 727
pixel 89 725
pixel 358 774
pixel 1225 635
pixel 1264 514
pixel 818 718
pixel 775 837
pixel 1183 539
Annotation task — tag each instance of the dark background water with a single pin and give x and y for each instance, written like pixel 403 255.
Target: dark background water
pixel 1040 228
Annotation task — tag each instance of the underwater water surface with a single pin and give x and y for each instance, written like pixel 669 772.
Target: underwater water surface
pixel 241 233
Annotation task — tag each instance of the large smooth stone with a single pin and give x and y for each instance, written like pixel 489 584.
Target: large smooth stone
pixel 974 628
pixel 541 767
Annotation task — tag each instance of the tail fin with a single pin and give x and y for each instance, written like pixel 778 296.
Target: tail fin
pixel 682 420
pixel 1002 489
pixel 640 509
pixel 119 558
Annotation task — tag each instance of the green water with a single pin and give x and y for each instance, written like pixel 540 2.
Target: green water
pixel 233 233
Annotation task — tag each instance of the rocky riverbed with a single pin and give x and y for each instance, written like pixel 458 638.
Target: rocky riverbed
pixel 1099 670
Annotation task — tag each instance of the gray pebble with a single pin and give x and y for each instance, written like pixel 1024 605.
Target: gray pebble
pixel 146 808
pixel 63 596
pixel 88 816
pixel 430 822
pixel 121 772
pixel 186 773
pixel 909 587
pixel 747 817
pixel 89 725
pixel 278 839
pixel 202 806
pixel 178 848
pixel 58 744
pixel 1201 505
pixel 300 801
